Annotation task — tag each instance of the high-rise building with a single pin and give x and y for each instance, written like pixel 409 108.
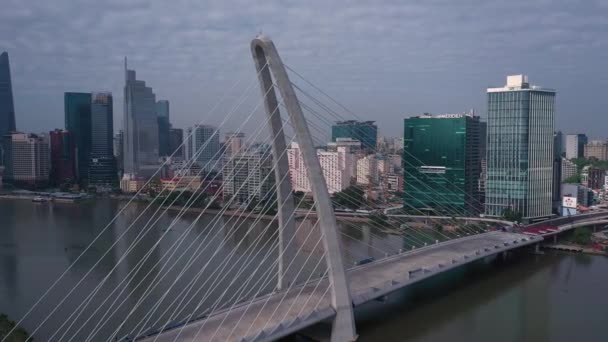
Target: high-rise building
pixel 102 164
pixel 595 178
pixel 248 176
pixel 353 145
pixel 77 107
pixel 234 142
pixel 141 148
pixel 7 107
pixel 558 144
pixel 338 168
pixel 442 163
pixel 162 109
pixel 557 172
pixel 27 159
pixel 176 139
pixel 164 126
pixel 367 170
pixel 483 164
pixel 575 145
pixel 568 169
pixel 204 146
pixel 63 157
pixel 364 131
pixel 393 182
pixel 520 149
pixel 118 151
pixel 597 149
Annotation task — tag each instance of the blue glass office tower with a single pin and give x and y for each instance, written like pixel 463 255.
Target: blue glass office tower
pixel 364 131
pixel 7 107
pixel 102 166
pixel 77 108
pixel 164 126
pixel 140 141
pixel 520 149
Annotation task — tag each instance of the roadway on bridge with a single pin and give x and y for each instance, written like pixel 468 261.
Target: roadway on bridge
pixel 282 313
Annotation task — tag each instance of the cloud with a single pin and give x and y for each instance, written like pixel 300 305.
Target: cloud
pixel 385 58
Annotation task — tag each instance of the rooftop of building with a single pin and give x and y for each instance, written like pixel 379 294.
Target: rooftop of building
pixel 519 83
pixel 470 114
pixel 355 122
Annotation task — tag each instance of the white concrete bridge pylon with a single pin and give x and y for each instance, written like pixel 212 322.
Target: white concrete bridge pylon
pixel 265 54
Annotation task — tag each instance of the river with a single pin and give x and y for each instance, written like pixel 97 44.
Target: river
pixel 551 297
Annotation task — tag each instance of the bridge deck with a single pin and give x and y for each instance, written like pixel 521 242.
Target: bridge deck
pixel 282 313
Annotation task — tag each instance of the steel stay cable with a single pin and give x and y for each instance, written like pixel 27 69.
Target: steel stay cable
pixel 290 241
pixel 316 114
pixel 456 211
pixel 180 214
pixel 289 287
pixel 346 222
pixel 349 111
pixel 199 273
pixel 265 276
pixel 318 102
pixel 212 286
pixel 147 227
pixel 321 279
pixel 265 284
pixel 371 223
pixel 420 231
pixel 285 293
pixel 144 231
pixel 50 288
pixel 226 261
pixel 351 200
pixel 322 258
pixel 191 226
pixel 101 258
pixel 234 198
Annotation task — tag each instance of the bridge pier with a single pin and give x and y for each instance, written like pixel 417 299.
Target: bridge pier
pixel 555 238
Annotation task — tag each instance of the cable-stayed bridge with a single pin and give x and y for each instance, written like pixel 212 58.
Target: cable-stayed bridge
pixel 258 260
pixel 279 314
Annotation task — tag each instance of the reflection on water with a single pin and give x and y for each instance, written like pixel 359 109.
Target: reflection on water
pixel 145 278
pixel 532 298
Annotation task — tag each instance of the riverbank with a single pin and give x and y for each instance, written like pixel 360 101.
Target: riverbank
pixel 59 197
pixel 300 214
pixel 231 213
pixel 573 248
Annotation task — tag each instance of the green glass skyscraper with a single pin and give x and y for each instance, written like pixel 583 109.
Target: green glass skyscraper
pixel 520 149
pixel 441 164
pixel 77 108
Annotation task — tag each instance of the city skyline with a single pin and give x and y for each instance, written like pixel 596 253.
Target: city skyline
pixel 414 67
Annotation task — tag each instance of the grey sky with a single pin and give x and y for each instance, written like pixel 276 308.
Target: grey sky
pixel 386 59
